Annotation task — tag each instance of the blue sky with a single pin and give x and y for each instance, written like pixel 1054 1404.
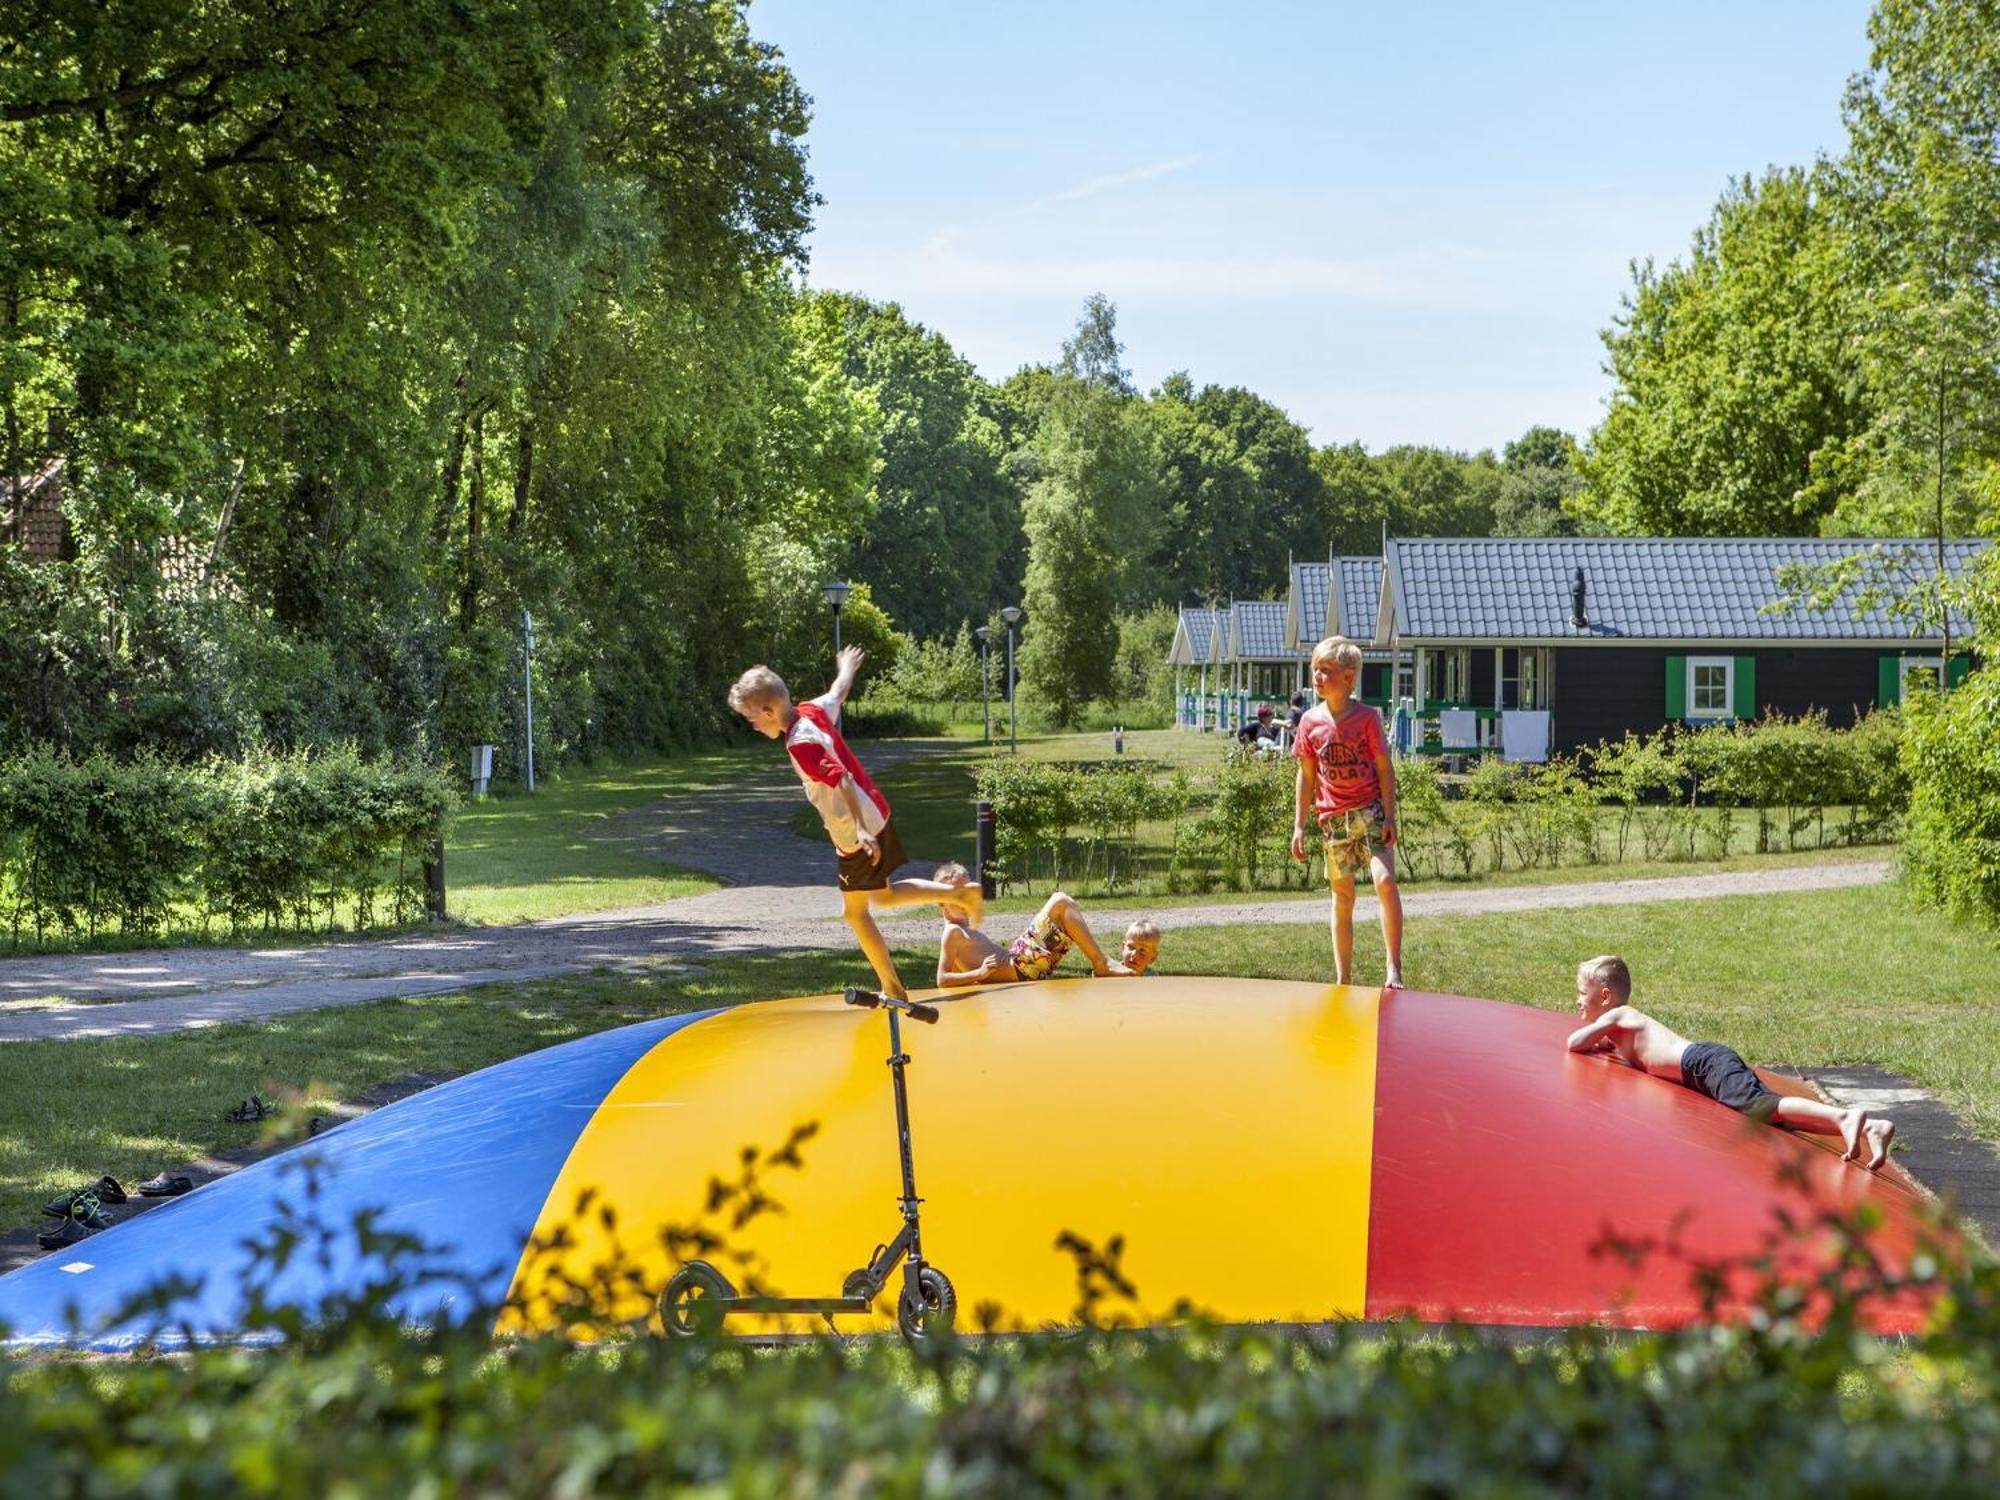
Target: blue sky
pixel 1402 223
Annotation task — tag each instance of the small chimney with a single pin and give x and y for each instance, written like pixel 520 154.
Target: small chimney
pixel 1576 592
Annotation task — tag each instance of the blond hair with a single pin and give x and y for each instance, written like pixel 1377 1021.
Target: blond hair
pixel 1339 650
pixel 1146 930
pixel 758 685
pixel 953 874
pixel 1610 971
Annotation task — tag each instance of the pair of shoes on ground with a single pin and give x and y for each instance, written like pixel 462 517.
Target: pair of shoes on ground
pixel 81 1214
pixel 251 1110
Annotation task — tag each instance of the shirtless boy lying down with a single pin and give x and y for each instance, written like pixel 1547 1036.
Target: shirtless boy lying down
pixel 968 956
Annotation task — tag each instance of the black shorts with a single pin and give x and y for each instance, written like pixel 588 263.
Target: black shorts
pixel 858 872
pixel 1721 1073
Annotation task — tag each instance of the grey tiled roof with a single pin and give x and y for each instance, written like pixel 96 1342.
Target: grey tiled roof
pixel 1199 627
pixel 1307 613
pixel 1671 589
pixel 1257 632
pixel 1360 596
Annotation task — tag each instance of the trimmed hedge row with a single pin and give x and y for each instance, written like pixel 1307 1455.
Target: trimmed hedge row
pixel 88 843
pixel 1673 795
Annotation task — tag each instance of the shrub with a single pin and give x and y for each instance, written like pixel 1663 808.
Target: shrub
pixel 1951 840
pixel 84 843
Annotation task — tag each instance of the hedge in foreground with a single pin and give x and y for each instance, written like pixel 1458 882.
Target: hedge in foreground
pixel 354 1404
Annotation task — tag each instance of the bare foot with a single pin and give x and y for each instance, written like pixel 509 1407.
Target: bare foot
pixel 1394 981
pixel 1879 1133
pixel 968 894
pixel 1852 1122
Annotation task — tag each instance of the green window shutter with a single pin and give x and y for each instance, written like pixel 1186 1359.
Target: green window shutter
pixel 1888 686
pixel 1677 689
pixel 1745 706
pixel 1956 672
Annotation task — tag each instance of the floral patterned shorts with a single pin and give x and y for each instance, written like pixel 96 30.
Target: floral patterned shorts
pixel 1353 838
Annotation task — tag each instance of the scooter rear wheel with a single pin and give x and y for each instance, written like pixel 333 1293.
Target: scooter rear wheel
pixel 925 1311
pixel 693 1298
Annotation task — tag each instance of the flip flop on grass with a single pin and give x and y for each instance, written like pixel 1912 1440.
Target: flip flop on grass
pixel 251 1110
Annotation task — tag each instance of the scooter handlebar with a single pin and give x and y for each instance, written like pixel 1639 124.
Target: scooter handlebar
pixel 869 999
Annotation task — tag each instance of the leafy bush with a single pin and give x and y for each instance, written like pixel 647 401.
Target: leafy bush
pixel 1951 841
pixel 353 1401
pixel 1675 795
pixel 85 843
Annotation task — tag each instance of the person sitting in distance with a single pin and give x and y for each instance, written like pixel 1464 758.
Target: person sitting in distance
pixel 968 956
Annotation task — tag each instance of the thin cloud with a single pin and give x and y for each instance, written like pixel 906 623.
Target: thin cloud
pixel 1095 185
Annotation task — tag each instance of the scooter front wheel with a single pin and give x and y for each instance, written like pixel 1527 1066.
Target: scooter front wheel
pixel 693 1298
pixel 926 1309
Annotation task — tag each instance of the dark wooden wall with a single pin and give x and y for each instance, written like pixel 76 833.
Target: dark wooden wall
pixel 1602 691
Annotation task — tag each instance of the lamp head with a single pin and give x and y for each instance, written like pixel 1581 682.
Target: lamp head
pixel 836 593
pixel 984 633
pixel 1011 614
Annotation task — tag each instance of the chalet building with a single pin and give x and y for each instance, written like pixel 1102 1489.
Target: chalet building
pixel 1196 657
pixel 1340 597
pixel 1605 635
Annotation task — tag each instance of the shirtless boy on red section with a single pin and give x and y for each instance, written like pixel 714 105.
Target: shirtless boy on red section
pixel 1604 985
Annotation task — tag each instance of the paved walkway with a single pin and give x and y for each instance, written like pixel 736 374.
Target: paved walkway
pixel 780 897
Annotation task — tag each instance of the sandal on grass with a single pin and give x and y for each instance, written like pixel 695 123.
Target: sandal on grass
pixel 104 1190
pixel 251 1110
pixel 164 1186
pixel 62 1236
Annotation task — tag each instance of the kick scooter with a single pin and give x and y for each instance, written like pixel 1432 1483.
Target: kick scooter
pixel 699 1297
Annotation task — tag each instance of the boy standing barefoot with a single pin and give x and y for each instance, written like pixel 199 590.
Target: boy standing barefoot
pixel 1347 783
pixel 855 812
pixel 1603 993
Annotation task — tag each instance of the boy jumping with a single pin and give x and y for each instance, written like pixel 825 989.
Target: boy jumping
pixel 1603 990
pixel 855 812
pixel 1348 783
pixel 968 956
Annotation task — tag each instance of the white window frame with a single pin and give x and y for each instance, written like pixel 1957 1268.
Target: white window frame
pixel 1728 709
pixel 1922 663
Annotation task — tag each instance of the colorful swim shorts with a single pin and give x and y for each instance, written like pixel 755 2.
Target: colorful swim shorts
pixel 1353 838
pixel 1037 951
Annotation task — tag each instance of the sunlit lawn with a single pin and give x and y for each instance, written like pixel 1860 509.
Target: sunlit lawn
pixel 515 858
pixel 1816 977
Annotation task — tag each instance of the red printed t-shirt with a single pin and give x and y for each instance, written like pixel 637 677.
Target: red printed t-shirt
pixel 1343 753
pixel 821 757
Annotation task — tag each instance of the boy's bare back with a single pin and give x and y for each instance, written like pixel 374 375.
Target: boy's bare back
pixel 1638 1040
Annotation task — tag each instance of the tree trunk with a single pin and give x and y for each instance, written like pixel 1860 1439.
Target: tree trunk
pixel 475 505
pixel 524 475
pixel 454 467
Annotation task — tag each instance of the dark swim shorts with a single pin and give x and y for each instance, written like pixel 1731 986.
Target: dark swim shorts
pixel 858 872
pixel 1721 1073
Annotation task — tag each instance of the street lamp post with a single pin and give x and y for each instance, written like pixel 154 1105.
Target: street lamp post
pixel 836 595
pixel 1011 614
pixel 985 634
pixel 528 684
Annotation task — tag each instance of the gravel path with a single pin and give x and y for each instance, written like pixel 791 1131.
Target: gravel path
pixel 781 896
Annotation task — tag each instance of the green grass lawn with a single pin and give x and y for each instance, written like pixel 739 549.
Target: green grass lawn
pixel 1819 977
pixel 516 858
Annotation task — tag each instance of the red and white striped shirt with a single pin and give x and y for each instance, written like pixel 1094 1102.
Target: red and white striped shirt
pixel 821 757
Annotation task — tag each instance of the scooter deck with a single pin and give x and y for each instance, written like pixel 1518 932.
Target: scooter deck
pixel 795 1304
